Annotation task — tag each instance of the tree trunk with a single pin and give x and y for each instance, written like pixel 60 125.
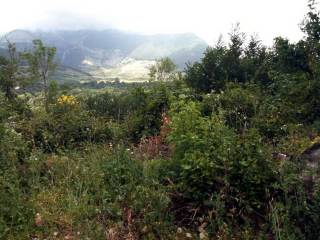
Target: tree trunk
pixel 46 95
pixel 9 93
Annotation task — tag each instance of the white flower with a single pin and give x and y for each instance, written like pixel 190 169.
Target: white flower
pixel 179 230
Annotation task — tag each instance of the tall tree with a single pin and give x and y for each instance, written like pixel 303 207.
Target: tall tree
pixel 208 74
pixel 234 54
pixel 311 24
pixel 42 64
pixel 255 62
pixel 11 74
pixel 311 27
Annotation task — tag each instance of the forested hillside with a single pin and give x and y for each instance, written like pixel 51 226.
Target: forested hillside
pixel 229 148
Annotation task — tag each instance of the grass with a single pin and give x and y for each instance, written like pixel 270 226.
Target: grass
pixel 96 193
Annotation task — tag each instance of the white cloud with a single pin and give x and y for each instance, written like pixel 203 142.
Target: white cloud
pixel 206 18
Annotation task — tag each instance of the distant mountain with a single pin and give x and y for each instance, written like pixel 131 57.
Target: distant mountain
pixel 89 50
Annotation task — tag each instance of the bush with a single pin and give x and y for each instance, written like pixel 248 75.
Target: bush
pixel 201 148
pixel 215 168
pixel 66 126
pixel 138 110
pixel 15 210
pixel 146 118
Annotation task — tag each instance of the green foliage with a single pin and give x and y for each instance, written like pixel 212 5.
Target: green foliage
pixel 15 211
pixel 96 192
pixel 139 110
pixel 202 146
pixel 66 126
pixel 237 125
pixel 53 92
pixel 310 27
pixel 41 65
pixel 132 189
pixel 290 58
pixel 146 119
pixel 11 73
pixel 239 105
pixel 212 156
pixel 209 74
pixel 108 105
pixel 222 64
pixel 234 176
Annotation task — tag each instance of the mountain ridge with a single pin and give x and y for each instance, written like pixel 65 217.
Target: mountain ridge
pixel 86 49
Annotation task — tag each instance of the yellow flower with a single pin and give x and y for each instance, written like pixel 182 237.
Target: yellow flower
pixel 67 100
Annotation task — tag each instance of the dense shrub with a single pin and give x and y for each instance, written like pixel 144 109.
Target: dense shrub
pixel 109 105
pixel 66 126
pixel 239 104
pixel 139 110
pixel 201 146
pixel 211 164
pixel 15 211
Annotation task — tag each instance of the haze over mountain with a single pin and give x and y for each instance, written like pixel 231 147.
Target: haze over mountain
pixel 113 53
pixel 206 18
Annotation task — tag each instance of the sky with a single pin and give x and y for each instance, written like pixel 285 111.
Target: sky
pixel 206 18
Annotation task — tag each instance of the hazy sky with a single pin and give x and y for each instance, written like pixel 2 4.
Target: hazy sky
pixel 206 18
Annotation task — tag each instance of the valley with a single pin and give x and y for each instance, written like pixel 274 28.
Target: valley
pixel 109 55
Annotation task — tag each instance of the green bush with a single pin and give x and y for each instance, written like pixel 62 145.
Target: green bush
pixel 138 110
pixel 239 104
pixel 211 164
pixel 146 117
pixel 65 127
pixel 15 210
pixel 202 147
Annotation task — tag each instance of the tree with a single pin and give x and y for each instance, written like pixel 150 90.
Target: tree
pixel 163 70
pixel 41 63
pixel 11 75
pixel 311 27
pixel 311 24
pixel 290 58
pixel 233 56
pixel 210 73
pixel 255 62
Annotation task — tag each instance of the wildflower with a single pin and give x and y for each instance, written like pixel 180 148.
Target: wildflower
pixel 67 100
